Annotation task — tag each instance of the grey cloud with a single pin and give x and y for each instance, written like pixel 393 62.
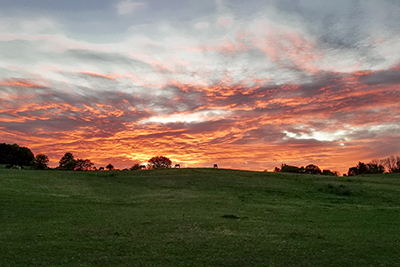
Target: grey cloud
pixel 210 126
pixel 307 144
pixel 265 134
pixel 41 127
pixel 344 23
pixel 22 53
pixel 382 147
pixel 390 76
pixel 362 134
pixel 96 57
pixel 157 136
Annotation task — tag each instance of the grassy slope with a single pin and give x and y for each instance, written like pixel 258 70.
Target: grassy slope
pixel 176 217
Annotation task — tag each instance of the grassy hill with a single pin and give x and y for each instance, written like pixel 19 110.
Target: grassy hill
pixel 197 217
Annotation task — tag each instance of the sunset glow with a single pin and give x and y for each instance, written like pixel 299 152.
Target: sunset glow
pixel 244 84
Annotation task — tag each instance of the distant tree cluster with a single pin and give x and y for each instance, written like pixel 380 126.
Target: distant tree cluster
pixel 69 163
pixel 310 169
pixel 15 155
pixel 377 166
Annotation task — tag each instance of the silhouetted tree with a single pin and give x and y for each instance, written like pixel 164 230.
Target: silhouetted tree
pixel 312 169
pixel 352 171
pixel 374 168
pixel 40 162
pixel 135 167
pixel 160 162
pixel 392 163
pixel 288 168
pixel 378 162
pixel 110 167
pixel 15 155
pixel 25 157
pixel 67 162
pixel 362 168
pixel 83 165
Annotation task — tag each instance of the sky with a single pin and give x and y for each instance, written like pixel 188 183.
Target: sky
pixel 243 84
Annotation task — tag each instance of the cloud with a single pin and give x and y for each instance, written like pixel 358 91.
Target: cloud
pixel 269 88
pixel 127 7
pixel 290 119
pixel 202 25
pixel 29 25
pixel 224 22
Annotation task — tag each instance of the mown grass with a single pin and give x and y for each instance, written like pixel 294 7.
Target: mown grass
pixel 197 217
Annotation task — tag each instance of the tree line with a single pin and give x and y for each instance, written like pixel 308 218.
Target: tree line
pixel 15 156
pixel 390 164
pixel 378 166
pixel 310 169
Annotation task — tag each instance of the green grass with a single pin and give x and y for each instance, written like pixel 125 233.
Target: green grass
pixel 197 217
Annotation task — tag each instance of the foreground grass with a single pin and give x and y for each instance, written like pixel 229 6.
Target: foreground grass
pixel 197 217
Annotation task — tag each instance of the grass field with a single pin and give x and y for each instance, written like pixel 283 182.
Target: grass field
pixel 197 217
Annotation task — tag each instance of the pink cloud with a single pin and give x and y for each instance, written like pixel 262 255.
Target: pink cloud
pixel 224 22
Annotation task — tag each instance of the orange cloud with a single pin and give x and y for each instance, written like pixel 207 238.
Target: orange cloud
pixel 333 121
pixel 21 83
